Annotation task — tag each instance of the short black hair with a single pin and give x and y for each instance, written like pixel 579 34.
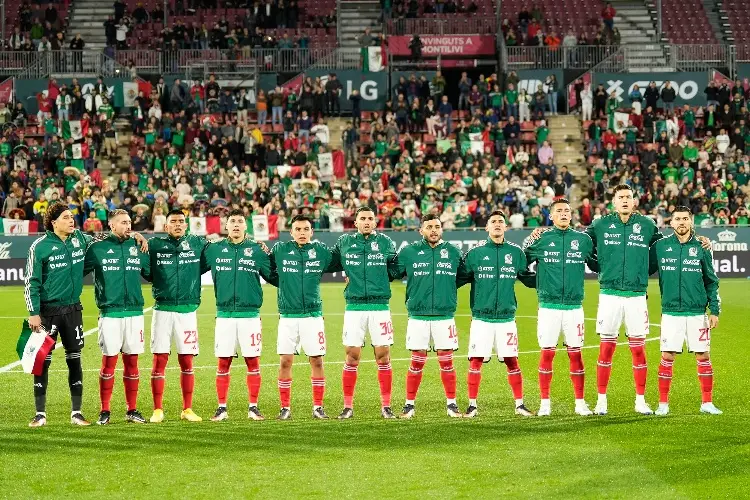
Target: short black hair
pixel 622 187
pixel 499 213
pixel 561 200
pixel 429 217
pixel 53 213
pixel 116 213
pixel 302 218
pixel 366 208
pixel 175 211
pixel 681 209
pixel 235 212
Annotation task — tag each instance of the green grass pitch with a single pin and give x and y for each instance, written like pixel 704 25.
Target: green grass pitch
pixel 622 455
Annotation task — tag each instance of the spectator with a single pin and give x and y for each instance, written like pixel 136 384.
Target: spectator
pixel 608 16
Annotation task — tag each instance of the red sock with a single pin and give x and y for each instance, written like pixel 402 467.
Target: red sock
pixel 285 392
pixel 349 382
pixel 318 390
pixel 474 378
pixel 157 379
pixel 414 375
pixel 665 379
pixel 640 369
pixel 107 380
pixel 131 378
pixel 187 379
pixel 222 380
pixel 604 364
pixel 706 377
pixel 385 380
pixel 447 373
pixel 577 373
pixel 253 380
pixel 545 371
pixel 515 379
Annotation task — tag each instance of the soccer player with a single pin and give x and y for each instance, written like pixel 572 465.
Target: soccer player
pixel 561 255
pixel 297 267
pixel 621 241
pixel 688 282
pixel 236 264
pixel 54 280
pixel 364 256
pixel 118 264
pixel 492 268
pixel 176 275
pixel 430 266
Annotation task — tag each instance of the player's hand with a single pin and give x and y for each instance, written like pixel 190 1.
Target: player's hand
pixel 264 247
pixel 141 240
pixel 536 234
pixel 346 280
pixel 705 243
pixel 35 323
pixel 713 321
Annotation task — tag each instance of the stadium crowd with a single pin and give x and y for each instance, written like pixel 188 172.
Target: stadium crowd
pixel 672 155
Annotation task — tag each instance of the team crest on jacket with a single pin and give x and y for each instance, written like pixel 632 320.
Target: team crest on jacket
pixel 574 245
pixel 508 258
pixel 375 247
pixel 444 253
pixel 693 252
pixel 636 228
pixel 185 245
pixel 311 253
pixel 133 251
pixel 76 243
pixel 248 252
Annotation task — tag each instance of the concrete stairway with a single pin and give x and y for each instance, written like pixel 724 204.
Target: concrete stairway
pixel 566 139
pixel 87 18
pixel 111 168
pixel 336 127
pixel 637 28
pixel 712 12
pixel 354 16
pixel 717 7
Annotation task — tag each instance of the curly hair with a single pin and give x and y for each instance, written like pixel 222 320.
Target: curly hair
pixel 53 213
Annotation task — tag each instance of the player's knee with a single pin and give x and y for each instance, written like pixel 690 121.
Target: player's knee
pixel 702 356
pixel 669 356
pixel 382 358
pixel 316 361
pixel 352 357
pixel 285 363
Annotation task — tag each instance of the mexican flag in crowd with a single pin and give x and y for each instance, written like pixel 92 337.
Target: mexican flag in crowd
pixel 76 129
pixel 14 227
pixel 126 93
pixel 374 58
pixel 33 348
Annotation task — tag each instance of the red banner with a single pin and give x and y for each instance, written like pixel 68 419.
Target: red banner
pixel 445 45
pixel 6 91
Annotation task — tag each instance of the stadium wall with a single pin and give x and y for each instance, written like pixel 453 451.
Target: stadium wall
pixel 731 250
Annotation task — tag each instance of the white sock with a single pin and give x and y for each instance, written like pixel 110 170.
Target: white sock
pixel 409 402
pixel 545 402
pixel 666 405
pixel 601 398
pixel 580 402
pixel 519 402
pixel 42 413
pixel 450 402
pixel 473 402
pixel 223 406
pixel 639 399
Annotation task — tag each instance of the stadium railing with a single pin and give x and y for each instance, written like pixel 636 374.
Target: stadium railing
pixel 439 26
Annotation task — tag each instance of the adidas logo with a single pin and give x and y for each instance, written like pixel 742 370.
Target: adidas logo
pixel 54 248
pixel 486 257
pixel 110 251
pixel 225 250
pixel 669 249
pixel 612 226
pixel 291 253
pixel 552 244
pixel 354 245
pixel 421 252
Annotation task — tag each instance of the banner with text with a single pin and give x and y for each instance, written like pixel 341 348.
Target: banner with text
pixel 688 86
pixel 731 248
pixel 445 45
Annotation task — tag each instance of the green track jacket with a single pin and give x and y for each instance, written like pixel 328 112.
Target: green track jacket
pixel 236 270
pixel 117 266
pixel 176 272
pixel 492 270
pixel 54 271
pixel 431 275
pixel 622 252
pixel 687 279
pixel 296 271
pixel 365 261
pixel 561 258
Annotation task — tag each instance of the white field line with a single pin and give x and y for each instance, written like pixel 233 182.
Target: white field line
pixel 10 368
